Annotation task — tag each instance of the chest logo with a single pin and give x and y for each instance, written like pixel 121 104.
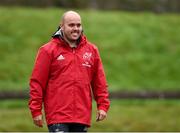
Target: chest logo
pixel 60 57
pixel 87 56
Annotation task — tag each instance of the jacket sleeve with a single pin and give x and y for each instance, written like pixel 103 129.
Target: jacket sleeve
pixel 38 82
pixel 99 85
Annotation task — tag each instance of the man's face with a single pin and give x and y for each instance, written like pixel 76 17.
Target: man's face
pixel 71 27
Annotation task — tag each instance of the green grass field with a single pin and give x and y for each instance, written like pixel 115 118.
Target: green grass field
pixel 124 115
pixel 139 50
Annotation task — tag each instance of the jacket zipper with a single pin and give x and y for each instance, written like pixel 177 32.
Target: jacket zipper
pixel 73 50
pixel 74 93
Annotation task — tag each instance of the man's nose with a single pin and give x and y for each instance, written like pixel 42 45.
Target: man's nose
pixel 75 27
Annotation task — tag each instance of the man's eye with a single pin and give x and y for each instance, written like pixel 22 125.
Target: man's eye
pixel 71 25
pixel 78 25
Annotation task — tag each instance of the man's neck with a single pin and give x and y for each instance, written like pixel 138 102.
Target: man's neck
pixel 71 44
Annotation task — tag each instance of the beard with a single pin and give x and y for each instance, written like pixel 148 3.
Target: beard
pixel 70 39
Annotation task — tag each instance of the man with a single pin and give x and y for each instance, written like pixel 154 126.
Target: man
pixel 67 69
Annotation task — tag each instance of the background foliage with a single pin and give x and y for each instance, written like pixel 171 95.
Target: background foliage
pixel 158 6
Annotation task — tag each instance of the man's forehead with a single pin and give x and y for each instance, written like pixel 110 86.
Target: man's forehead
pixel 71 17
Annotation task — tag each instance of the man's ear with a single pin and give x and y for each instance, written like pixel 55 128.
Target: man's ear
pixel 61 26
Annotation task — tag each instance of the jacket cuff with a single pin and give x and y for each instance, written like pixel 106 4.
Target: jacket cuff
pixel 36 113
pixel 103 108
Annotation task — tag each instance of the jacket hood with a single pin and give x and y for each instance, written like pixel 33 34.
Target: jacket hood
pixel 57 33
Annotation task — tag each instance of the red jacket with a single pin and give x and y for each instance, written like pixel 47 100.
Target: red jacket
pixel 62 80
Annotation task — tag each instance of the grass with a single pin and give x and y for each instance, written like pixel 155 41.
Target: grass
pixel 124 115
pixel 139 50
pixel 138 115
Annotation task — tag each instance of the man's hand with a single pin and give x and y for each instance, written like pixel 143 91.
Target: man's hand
pixel 101 115
pixel 38 121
